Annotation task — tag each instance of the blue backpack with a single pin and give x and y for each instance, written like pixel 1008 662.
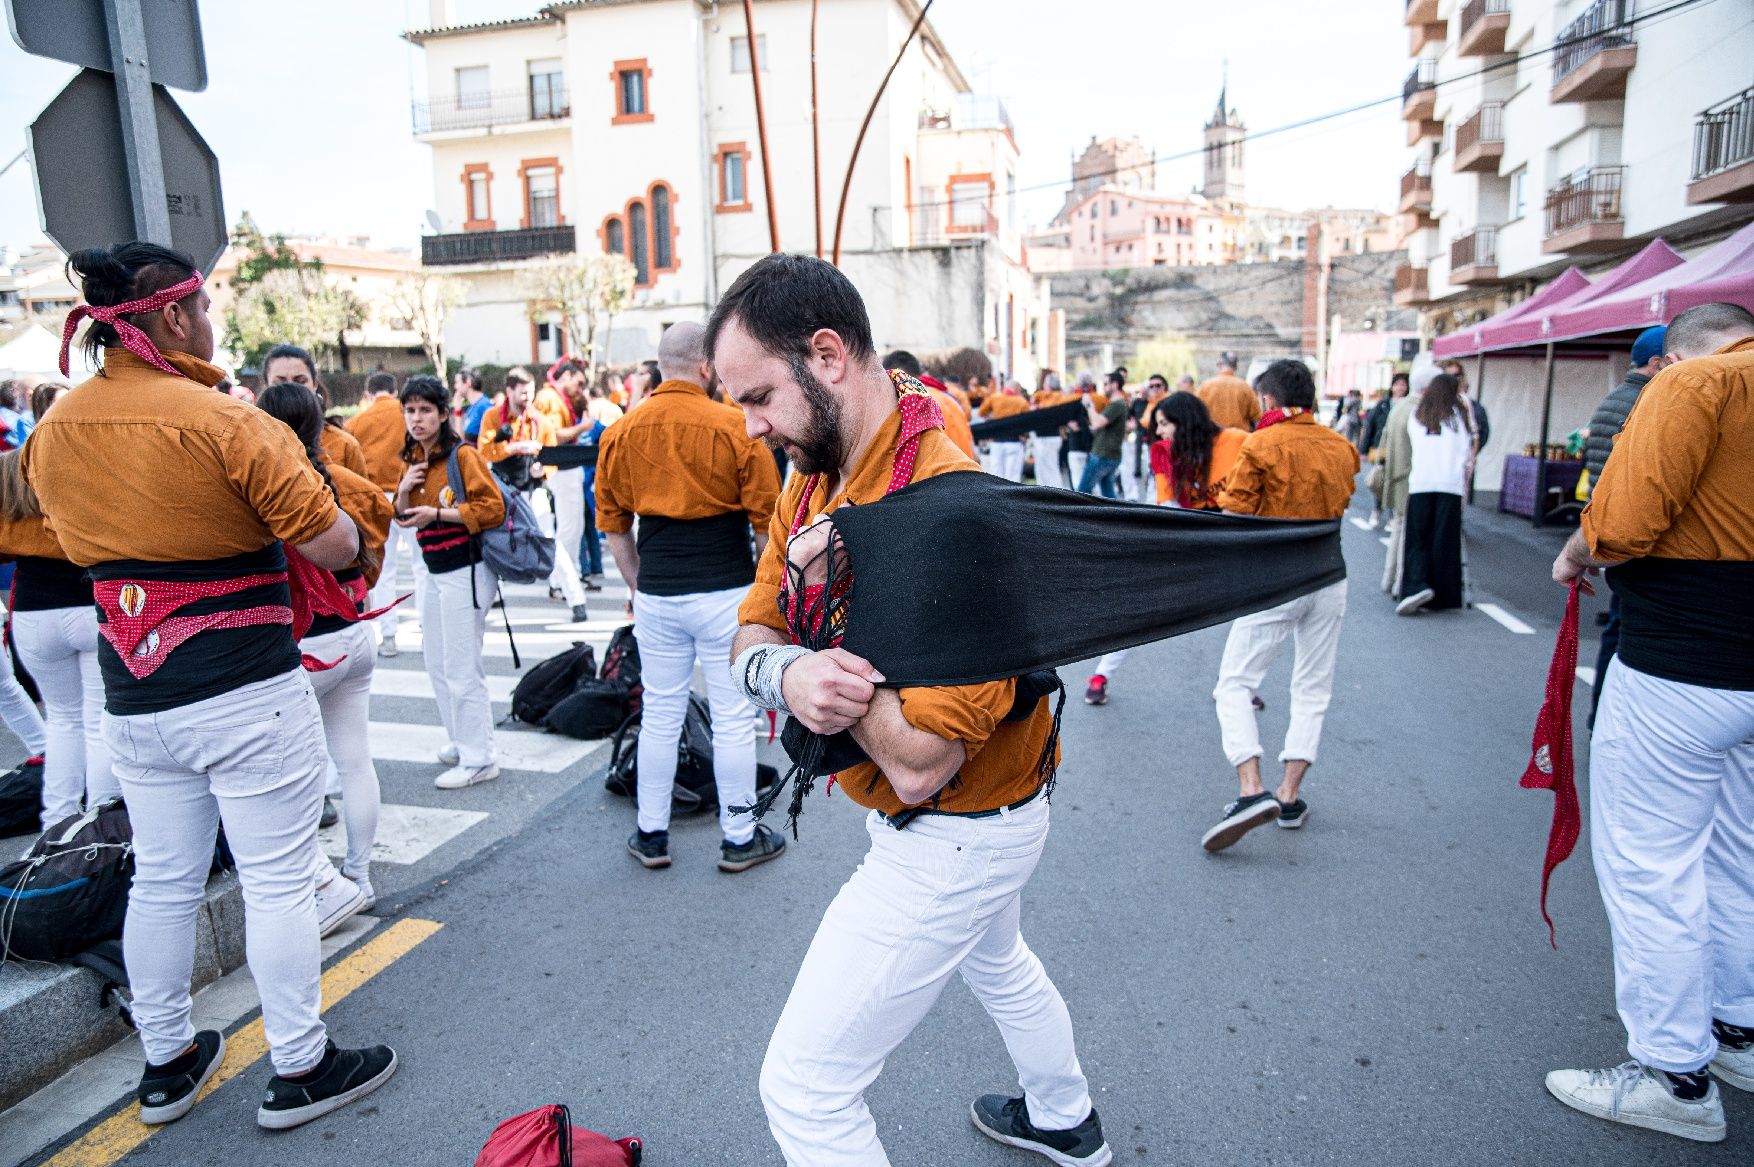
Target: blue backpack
pixel 516 551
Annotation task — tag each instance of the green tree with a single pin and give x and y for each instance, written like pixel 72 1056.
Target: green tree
pixel 1171 354
pixel 585 292
pixel 280 298
pixel 425 301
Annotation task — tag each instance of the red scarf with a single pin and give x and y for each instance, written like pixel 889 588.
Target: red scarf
pixel 1275 416
pixel 1550 763
pixel 132 338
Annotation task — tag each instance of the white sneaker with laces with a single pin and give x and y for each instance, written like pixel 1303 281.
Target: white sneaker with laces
pixel 458 777
pixel 1415 602
pixel 1632 1094
pixel 364 884
pixel 337 901
pixel 449 756
pixel 1735 1066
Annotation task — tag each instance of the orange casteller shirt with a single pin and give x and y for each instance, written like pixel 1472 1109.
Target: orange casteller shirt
pixel 381 432
pixel 1230 401
pixel 1226 448
pixel 1003 405
pixel 370 511
pixel 1002 755
pixel 1296 469
pixel 689 458
pixel 955 421
pixel 530 427
pixel 341 448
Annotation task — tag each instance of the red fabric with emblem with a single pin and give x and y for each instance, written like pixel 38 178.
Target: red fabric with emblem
pixel 1550 762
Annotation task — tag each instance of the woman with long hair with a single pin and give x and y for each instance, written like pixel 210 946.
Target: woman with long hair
pixel 54 629
pixel 289 362
pixel 1442 435
pixel 344 691
pixel 1192 454
pixel 458 589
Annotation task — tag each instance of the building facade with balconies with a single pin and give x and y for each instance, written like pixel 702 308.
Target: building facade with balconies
pixel 1550 133
pixel 631 128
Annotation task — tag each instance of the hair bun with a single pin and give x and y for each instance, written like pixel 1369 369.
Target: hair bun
pixel 102 280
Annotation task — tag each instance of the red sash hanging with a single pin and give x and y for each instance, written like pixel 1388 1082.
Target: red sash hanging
pixel 1550 763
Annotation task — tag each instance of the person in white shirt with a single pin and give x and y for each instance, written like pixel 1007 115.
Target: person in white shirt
pixel 1442 436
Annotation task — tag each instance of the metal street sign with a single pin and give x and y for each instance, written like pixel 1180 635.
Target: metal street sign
pixel 77 31
pixel 84 190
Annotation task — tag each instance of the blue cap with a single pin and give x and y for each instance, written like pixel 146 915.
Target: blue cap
pixel 1649 344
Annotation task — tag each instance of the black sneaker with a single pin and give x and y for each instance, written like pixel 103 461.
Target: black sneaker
pixel 330 815
pixel 1255 700
pixel 580 614
pixel 1006 1120
pixel 763 846
pixel 1293 814
pixel 651 848
pixel 167 1092
pixel 1241 817
pixel 343 1076
pixel 591 585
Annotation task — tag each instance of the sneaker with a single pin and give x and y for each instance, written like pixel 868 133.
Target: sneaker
pixel 365 888
pixel 1255 700
pixel 651 848
pixel 343 1076
pixel 1293 814
pixel 449 756
pixel 591 585
pixel 337 901
pixel 1097 693
pixel 1375 519
pixel 1006 1120
pixel 387 647
pixel 556 596
pixel 580 614
pixel 761 847
pixel 1241 817
pixel 330 815
pixel 1637 1096
pixel 457 777
pixel 1734 1063
pixel 1415 602
pixel 167 1092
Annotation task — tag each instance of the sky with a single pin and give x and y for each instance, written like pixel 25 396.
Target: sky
pixel 307 105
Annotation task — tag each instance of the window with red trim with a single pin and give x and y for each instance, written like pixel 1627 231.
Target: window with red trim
pixel 632 80
pixel 731 168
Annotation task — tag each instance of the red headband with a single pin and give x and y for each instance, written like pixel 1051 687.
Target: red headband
pixel 132 338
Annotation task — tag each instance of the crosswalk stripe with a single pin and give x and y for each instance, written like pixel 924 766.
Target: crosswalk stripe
pixel 406 834
pixel 388 682
pixel 1360 524
pixel 546 753
pixel 1587 674
pixel 1506 619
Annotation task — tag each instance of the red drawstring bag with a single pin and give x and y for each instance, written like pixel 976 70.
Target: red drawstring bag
pixel 1550 761
pixel 546 1137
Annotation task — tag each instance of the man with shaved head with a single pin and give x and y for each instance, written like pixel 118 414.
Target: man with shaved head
pixel 682 466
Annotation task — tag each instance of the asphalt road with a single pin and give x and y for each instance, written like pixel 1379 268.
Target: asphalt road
pixel 1376 988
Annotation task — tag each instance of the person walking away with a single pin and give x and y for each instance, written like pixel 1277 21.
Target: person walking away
pixel 1370 443
pixel 1228 398
pixel 214 726
pixel 458 587
pixel 343 691
pixel 1441 436
pixel 1291 467
pixel 1397 465
pixel 1477 418
pixel 1107 428
pixel 472 396
pixel 54 628
pixel 1672 757
pixel 381 432
pixel 697 483
pixel 289 362
pixel 1048 447
pixel 939 892
pixel 1605 424
pixel 1006 454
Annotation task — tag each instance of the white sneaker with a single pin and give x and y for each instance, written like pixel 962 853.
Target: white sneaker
pixel 1631 1094
pixel 460 776
pixel 337 901
pixel 387 647
pixel 1415 602
pixel 1735 1066
pixel 449 756
pixel 365 886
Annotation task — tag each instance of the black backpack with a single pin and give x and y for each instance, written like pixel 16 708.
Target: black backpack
pixel 21 799
pixel 71 890
pixel 695 788
pixel 621 663
pixel 547 684
pixel 591 711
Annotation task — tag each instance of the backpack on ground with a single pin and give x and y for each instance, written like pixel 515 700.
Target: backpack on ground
pixel 695 788
pixel 592 710
pixel 21 799
pixel 547 684
pixel 516 551
pixel 71 890
pixel 621 663
pixel 546 1137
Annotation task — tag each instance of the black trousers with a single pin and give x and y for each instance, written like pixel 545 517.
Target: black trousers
pixel 1433 555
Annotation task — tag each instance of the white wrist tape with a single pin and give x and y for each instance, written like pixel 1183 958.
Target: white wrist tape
pixel 758 671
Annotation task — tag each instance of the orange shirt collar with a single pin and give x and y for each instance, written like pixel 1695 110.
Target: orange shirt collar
pixel 120 360
pixel 870 478
pixel 678 386
pixel 1746 344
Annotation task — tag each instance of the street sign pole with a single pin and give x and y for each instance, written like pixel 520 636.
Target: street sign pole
pixel 134 102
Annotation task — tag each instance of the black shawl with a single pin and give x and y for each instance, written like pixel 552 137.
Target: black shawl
pixel 1034 421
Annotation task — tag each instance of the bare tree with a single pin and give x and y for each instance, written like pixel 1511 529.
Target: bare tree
pixel 585 291
pixel 425 302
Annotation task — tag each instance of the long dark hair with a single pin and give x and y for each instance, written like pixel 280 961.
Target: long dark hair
pixel 1190 451
pixel 296 353
pixel 1441 401
pixel 299 409
pixel 116 275
pixel 428 388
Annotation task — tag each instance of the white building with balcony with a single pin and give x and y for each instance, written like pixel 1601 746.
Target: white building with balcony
pixel 630 127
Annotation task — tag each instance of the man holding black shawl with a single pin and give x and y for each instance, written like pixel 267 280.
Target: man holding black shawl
pixel 957 816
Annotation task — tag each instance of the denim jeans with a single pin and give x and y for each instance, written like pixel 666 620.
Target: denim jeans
pixel 1100 472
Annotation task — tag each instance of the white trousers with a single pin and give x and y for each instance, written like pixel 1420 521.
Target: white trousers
pixel 1075 460
pixel 674 632
pixel 1672 828
pixel 252 759
pixel 385 591
pixel 59 647
pixel 344 694
pixel 1129 478
pixel 936 899
pixel 451 631
pixel 20 712
pixel 561 509
pixel 1047 460
pixel 1111 662
pixel 1313 622
pixel 1007 459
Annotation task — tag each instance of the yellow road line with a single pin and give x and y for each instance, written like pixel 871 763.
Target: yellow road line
pixel 119 1134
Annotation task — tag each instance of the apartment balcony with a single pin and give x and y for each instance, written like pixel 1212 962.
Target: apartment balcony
pixel 1483 25
pixel 1421 11
pixel 1410 287
pixel 496 246
pixel 1416 189
pixel 1426 34
pixel 1723 152
pixel 1593 55
pixel 1584 212
pixel 1473 258
pixel 1480 139
pixel 1419 92
pixel 534 109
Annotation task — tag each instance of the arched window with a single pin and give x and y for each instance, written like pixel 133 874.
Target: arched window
pixel 640 252
pixel 614 236
pixel 662 258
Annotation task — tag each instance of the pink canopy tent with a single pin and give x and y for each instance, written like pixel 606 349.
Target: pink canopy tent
pixel 1723 273
pixel 1470 340
pixel 1548 323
